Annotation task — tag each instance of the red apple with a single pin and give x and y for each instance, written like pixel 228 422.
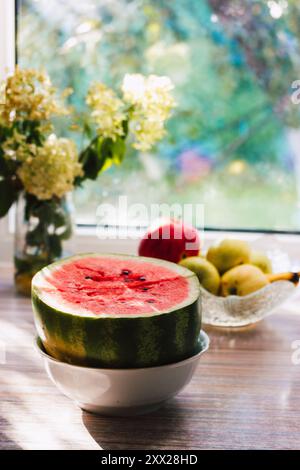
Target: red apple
pixel 172 241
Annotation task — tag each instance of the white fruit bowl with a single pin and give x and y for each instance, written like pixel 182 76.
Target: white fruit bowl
pixel 121 391
pixel 235 311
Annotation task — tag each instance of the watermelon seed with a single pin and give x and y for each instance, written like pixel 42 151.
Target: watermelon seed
pixel 150 301
pixel 125 272
pixel 145 288
pixel 87 277
pixel 142 278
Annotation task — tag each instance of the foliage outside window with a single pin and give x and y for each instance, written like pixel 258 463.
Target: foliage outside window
pixel 232 144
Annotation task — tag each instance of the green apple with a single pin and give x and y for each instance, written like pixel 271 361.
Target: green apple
pixel 243 280
pixel 207 273
pixel 261 260
pixel 228 254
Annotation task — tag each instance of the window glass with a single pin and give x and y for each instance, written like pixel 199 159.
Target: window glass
pixel 234 140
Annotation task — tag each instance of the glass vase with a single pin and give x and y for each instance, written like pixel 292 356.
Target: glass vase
pixel 43 231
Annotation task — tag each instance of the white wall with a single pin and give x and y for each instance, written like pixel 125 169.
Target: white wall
pixel 7 37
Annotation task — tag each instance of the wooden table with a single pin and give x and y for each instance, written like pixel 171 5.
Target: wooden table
pixel 245 395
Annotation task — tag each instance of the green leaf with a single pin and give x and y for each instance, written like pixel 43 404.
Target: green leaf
pixel 114 151
pixel 8 196
pixel 106 149
pixel 93 158
pixel 100 155
pixel 8 168
pixel 3 166
pixel 125 125
pixel 87 130
pixel 119 149
pixel 91 166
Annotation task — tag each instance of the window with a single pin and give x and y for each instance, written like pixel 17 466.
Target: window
pixel 233 142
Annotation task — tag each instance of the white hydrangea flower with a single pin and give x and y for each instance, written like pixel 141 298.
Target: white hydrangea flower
pixel 152 103
pixel 133 88
pixel 107 110
pixel 50 170
pixel 29 94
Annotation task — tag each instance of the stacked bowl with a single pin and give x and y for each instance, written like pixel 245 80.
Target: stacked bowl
pixel 118 334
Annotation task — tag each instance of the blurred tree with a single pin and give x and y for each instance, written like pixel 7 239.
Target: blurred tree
pixel 232 62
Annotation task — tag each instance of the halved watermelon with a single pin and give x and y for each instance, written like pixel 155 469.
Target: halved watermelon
pixel 117 311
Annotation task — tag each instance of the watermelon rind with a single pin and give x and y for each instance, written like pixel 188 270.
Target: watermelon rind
pixel 77 336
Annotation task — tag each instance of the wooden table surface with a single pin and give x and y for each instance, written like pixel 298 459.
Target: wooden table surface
pixel 245 395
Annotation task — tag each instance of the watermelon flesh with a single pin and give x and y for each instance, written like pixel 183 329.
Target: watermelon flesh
pixel 117 311
pixel 118 287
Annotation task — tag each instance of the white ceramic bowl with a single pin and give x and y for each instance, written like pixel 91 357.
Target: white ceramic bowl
pixel 121 391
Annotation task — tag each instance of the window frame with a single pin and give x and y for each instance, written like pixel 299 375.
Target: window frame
pixel 7 64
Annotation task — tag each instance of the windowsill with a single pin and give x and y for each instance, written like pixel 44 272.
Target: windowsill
pixel 86 240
